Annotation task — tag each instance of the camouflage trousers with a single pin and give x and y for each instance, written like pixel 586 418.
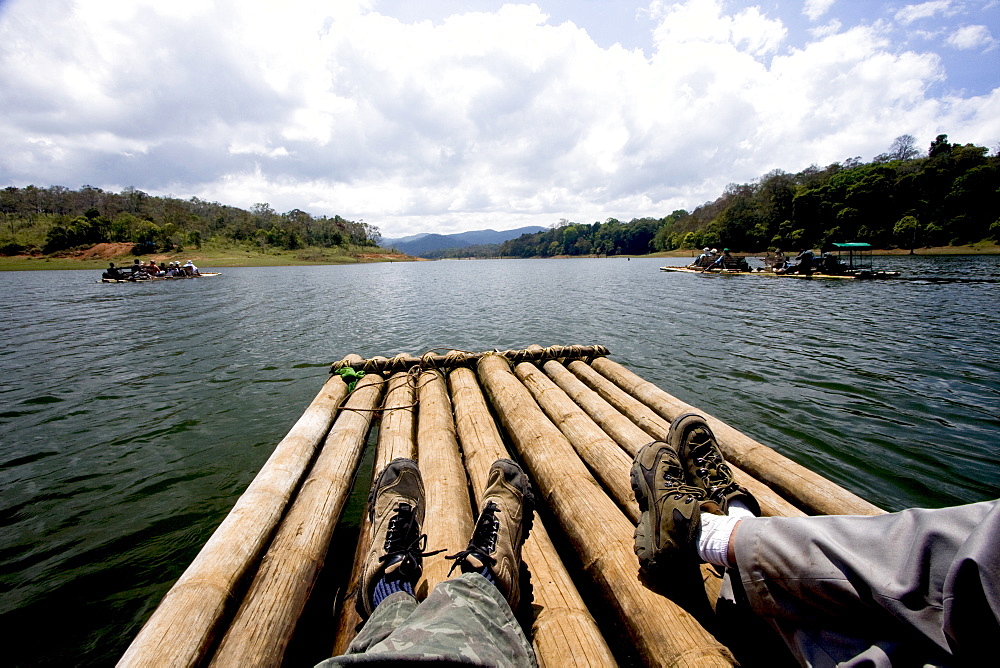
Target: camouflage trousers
pixel 465 620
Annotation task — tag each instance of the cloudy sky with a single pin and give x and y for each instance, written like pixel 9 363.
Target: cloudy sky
pixel 439 116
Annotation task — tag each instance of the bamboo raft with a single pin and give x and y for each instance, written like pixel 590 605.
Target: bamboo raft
pixel 571 416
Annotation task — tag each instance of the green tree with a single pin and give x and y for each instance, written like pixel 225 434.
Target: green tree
pixel 940 147
pixel 907 228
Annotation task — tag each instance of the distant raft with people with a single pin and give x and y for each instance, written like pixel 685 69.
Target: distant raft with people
pixel 139 272
pixel 573 417
pixel 847 261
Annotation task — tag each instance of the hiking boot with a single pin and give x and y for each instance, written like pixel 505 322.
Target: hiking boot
pixel 670 519
pixel 396 511
pixel 502 526
pixel 695 443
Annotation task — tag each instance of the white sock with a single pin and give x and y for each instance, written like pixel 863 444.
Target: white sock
pixel 713 544
pixel 738 509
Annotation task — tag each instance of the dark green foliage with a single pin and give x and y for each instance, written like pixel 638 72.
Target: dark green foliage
pixel 951 196
pixel 13 249
pixel 81 231
pixel 611 237
pixel 91 215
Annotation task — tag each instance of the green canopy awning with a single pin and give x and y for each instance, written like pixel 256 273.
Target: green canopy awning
pixel 857 245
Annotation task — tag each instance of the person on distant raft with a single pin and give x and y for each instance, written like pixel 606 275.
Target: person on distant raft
pixel 917 587
pixel 190 269
pixel 803 262
pixel 468 619
pixel 776 262
pixel 701 258
pixel 113 272
pixel 831 264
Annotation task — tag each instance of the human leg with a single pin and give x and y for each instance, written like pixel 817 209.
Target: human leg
pixel 919 584
pixel 464 620
pixel 689 499
pixel 494 551
pixel 467 619
pixel 396 512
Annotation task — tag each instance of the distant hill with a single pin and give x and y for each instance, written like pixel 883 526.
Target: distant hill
pixel 387 242
pixel 419 244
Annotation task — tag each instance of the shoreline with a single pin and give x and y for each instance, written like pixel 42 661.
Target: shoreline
pixel 230 257
pixel 97 257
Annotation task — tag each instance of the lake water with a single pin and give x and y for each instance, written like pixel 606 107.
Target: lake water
pixel 133 415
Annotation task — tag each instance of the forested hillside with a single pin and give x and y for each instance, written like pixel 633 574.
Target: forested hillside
pixel 901 199
pixel 52 219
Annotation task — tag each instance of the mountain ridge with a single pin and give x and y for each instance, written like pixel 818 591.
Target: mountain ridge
pixel 424 242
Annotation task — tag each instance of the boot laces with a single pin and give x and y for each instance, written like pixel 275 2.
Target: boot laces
pixel 674 482
pixel 403 541
pixel 484 539
pixel 712 467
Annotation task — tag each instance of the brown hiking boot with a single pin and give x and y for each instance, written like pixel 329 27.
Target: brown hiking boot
pixel 695 443
pixel 671 518
pixel 396 511
pixel 502 526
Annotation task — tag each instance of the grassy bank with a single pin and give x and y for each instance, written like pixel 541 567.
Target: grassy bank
pixel 208 256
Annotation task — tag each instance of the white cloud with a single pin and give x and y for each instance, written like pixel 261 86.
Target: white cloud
pixel 831 28
pixel 814 9
pixel 703 21
pixel 971 37
pixel 925 10
pixel 485 119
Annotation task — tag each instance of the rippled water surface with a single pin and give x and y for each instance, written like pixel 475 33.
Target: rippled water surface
pixel 133 415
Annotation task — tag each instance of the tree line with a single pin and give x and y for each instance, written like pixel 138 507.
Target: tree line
pixel 49 220
pixel 903 198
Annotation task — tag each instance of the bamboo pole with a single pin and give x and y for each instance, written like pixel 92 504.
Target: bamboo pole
pixel 265 621
pixel 613 421
pixel 605 459
pixel 645 417
pixel 662 632
pixel 563 632
pixel 630 437
pixel 811 491
pixel 586 429
pixel 395 439
pixel 448 520
pixel 456 358
pixel 183 626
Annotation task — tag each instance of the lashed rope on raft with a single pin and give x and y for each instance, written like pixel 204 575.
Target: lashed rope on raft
pixel 456 358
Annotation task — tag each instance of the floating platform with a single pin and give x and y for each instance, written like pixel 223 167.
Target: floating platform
pixel 572 416
pixel 204 274
pixel 861 275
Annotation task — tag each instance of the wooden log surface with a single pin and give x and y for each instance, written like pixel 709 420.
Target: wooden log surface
pixel 605 459
pixel 661 632
pixel 183 626
pixel 810 491
pixel 563 632
pixel 396 438
pixel 266 620
pixel 597 395
pixel 456 358
pixel 613 421
pixel 448 519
